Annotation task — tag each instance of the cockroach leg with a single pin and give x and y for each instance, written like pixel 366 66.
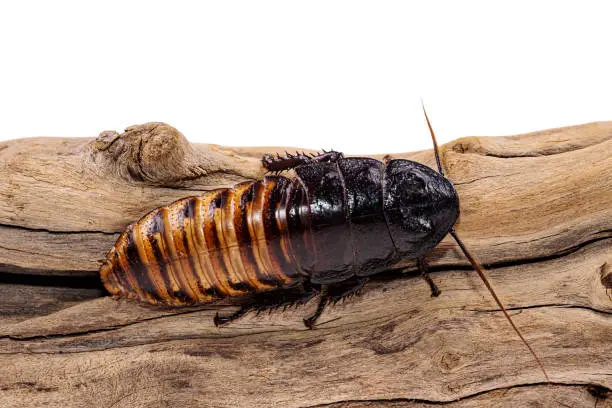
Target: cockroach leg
pixel 288 161
pixel 310 321
pixel 223 320
pixel 333 293
pixel 435 292
pixel 270 301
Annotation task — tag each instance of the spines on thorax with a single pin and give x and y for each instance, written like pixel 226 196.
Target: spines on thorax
pixel 226 242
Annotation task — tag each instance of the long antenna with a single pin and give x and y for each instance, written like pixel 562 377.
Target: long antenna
pixel 433 137
pixel 480 271
pixel 476 264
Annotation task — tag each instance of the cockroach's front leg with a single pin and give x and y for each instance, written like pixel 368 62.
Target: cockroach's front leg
pixel 423 268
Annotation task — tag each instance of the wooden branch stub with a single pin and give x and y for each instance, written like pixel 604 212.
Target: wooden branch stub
pixel 535 208
pixel 159 155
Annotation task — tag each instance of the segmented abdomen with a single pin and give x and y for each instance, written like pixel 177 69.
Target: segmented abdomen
pixel 227 242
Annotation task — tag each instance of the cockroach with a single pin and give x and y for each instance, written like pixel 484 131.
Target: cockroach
pixel 283 240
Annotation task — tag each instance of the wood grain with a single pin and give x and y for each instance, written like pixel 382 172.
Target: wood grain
pixel 535 208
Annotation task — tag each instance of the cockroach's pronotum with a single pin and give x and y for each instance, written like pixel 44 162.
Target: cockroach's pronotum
pixel 324 231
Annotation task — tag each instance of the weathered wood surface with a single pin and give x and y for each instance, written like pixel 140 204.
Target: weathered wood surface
pixel 536 208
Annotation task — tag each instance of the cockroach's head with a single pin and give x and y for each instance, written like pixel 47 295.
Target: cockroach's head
pixel 420 204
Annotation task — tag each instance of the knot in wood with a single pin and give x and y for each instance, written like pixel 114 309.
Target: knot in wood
pixel 153 152
pixel 450 361
pixel 105 139
pixel 605 272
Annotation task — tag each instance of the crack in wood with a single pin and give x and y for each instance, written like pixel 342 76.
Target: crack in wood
pixel 101 330
pixel 541 306
pixel 603 390
pixel 49 280
pixel 80 232
pixel 463 183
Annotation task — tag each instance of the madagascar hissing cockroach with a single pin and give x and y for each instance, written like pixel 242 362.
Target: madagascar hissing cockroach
pixel 283 240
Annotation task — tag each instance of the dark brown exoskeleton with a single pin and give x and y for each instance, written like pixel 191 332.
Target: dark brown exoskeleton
pixel 283 240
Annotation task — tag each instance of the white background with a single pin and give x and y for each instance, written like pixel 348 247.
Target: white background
pixel 319 74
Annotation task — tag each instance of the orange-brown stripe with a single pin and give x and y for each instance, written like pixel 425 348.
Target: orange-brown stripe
pixel 160 254
pixel 215 254
pixel 265 263
pixel 109 278
pixel 234 275
pixel 274 236
pixel 176 216
pixel 134 270
pixel 145 253
pixel 283 227
pixel 175 269
pixel 231 221
pixel 243 193
pixel 131 284
pixel 201 246
pixel 113 275
pixel 249 207
pixel 200 258
pixel 137 268
pixel 189 259
pixel 195 237
pixel 243 236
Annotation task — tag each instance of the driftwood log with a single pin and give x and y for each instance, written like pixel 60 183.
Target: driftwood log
pixel 535 208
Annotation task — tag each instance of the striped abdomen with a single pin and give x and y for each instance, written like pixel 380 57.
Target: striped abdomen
pixel 227 242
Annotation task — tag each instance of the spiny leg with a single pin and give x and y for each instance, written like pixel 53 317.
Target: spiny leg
pixel 423 268
pixel 223 320
pixel 309 322
pixel 332 294
pixel 287 299
pixel 270 301
pixel 289 161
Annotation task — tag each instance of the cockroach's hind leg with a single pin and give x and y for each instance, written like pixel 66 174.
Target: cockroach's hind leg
pixel 272 300
pixel 333 293
pixel 310 321
pixel 277 163
pixel 435 292
pixel 347 288
pixel 225 320
pixel 285 298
